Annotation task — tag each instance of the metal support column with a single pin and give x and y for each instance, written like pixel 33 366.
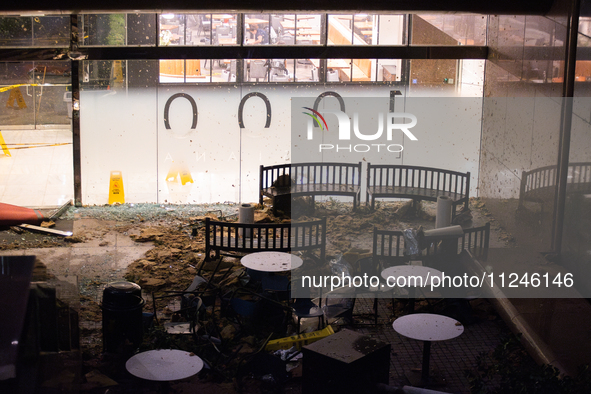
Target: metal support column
pixel 565 126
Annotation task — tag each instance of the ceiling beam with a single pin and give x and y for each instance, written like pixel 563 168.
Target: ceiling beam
pixel 252 52
pixel 507 7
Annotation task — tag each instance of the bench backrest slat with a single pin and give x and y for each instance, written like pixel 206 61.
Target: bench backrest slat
pixel 393 175
pixel 476 240
pixel 389 244
pixel 312 173
pixel 578 176
pixel 225 236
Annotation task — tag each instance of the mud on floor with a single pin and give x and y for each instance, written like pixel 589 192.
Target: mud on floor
pixel 175 242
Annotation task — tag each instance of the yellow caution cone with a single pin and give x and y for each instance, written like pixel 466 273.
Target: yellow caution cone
pixel 4 147
pixel 172 173
pixel 116 193
pixel 16 97
pixel 185 175
pixel 177 171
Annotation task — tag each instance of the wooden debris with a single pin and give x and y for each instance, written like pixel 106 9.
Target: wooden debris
pixel 46 230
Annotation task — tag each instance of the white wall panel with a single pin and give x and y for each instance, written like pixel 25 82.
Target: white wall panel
pixel 118 133
pixel 125 131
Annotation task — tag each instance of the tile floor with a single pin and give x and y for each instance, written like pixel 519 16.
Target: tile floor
pixel 38 170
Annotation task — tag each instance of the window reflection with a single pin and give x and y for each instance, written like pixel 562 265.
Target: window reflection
pixel 390 30
pixel 363 28
pixel 185 71
pixel 442 29
pixel 35 31
pixel 117 29
pixel 197 29
pixel 257 70
pixel 257 29
pixel 306 28
pixel 222 70
pixel 282 29
pixel 103 29
pixel 366 29
pixel 307 70
pixel 389 70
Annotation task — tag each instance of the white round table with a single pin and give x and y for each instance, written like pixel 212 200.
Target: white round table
pixel 164 365
pixel 427 327
pixel 271 261
pixel 425 273
pixel 414 276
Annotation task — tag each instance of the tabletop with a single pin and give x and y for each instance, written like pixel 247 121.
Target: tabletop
pixel 333 63
pixel 164 365
pixel 428 327
pixel 168 27
pixel 426 274
pixel 346 346
pixel 364 25
pixel 271 261
pixel 227 41
pixel 290 25
pixel 300 17
pixel 256 20
pixel 220 16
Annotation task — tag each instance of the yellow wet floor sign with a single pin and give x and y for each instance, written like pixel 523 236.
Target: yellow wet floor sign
pixel 116 193
pixel 185 176
pixel 176 170
pixel 4 147
pixel 16 95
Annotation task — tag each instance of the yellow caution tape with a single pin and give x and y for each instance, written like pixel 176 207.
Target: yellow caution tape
pixel 38 146
pixel 4 89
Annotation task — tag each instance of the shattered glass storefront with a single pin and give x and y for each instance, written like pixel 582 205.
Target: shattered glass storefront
pixel 204 107
pixel 197 130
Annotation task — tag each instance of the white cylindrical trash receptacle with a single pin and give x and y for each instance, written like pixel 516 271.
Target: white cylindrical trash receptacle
pixel 246 215
pixel 443 218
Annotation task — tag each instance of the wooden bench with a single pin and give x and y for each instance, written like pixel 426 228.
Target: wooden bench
pixel 475 240
pixel 389 249
pixel 224 237
pixel 539 185
pixel 417 183
pixel 311 179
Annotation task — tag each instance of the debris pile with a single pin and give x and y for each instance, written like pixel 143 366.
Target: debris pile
pixel 177 233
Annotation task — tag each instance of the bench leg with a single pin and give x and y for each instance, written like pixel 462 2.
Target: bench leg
pixel 373 203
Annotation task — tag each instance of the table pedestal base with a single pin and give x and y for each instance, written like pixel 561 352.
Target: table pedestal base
pixel 415 380
pixel 423 377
